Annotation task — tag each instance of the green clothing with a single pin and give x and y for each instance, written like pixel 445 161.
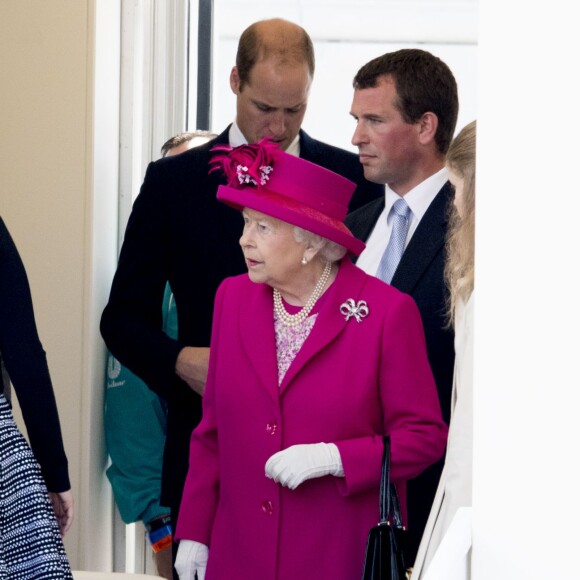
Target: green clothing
pixel 135 427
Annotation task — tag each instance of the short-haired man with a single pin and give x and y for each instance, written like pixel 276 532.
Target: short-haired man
pixel 181 142
pixel 405 105
pixel 179 232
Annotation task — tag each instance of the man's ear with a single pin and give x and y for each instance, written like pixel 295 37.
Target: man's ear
pixel 235 80
pixel 428 127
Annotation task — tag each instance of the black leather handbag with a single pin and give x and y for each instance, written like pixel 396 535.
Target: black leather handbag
pixel 384 558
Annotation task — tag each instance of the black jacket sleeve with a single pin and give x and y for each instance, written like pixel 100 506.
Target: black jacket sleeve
pixel 25 361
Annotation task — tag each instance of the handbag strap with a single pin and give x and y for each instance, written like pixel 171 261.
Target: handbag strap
pixel 389 499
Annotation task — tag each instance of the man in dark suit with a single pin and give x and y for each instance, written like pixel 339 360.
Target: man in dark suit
pixel 179 232
pixel 405 105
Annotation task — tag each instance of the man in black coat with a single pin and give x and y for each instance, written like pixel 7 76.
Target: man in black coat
pixel 178 232
pixel 405 104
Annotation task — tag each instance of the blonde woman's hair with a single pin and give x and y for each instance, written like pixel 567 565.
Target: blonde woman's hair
pixel 459 266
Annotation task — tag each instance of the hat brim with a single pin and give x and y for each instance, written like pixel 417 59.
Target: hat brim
pixel 292 212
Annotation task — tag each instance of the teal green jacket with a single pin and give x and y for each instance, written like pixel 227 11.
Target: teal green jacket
pixel 135 427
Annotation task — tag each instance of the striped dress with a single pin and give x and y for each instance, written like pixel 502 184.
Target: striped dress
pixel 30 543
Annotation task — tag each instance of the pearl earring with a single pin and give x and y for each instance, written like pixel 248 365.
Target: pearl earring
pixel 304 261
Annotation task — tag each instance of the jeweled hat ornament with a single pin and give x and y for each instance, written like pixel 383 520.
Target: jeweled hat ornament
pixel 264 178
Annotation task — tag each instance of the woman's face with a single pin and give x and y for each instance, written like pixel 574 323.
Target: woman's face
pixel 271 252
pixel 459 184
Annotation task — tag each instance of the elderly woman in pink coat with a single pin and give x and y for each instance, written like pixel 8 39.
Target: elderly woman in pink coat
pixel 312 362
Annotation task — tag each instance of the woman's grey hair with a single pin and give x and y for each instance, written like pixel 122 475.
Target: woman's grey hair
pixel 328 250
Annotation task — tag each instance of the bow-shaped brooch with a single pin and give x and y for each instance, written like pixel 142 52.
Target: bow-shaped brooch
pixel 359 310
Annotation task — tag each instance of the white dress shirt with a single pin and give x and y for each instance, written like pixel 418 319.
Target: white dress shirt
pixel 418 199
pixel 237 138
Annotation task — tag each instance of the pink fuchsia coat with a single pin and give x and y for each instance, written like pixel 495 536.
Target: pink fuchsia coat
pixel 350 383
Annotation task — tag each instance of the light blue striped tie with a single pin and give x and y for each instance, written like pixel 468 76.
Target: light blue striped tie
pixel 392 256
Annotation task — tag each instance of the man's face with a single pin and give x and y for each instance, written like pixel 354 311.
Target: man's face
pixel 273 102
pixel 389 148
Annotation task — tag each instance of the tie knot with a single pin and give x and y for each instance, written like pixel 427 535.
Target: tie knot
pixel 401 208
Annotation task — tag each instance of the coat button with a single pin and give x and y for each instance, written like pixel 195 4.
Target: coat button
pixel 268 508
pixel 271 428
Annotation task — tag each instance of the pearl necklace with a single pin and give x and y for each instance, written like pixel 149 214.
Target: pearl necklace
pixel 300 317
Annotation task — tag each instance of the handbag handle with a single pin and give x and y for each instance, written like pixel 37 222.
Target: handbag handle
pixel 389 499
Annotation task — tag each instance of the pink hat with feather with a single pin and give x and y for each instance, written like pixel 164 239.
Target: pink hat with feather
pixel 264 178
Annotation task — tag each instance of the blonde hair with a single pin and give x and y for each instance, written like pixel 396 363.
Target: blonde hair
pixel 459 265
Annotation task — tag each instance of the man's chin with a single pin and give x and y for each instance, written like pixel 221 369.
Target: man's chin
pixel 371 175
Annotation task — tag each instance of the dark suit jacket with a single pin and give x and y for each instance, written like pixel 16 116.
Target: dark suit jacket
pixel 420 274
pixel 179 232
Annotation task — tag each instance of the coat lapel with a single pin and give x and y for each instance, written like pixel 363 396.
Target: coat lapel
pixel 362 221
pixel 330 322
pixel 309 149
pixel 427 241
pixel 260 344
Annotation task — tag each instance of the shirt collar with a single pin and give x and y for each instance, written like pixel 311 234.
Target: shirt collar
pixel 420 197
pixel 236 138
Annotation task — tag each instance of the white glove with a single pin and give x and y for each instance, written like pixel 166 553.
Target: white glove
pixel 191 557
pixel 298 463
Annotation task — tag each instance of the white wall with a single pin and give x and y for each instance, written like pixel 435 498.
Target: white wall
pixel 526 501
pixel 347 35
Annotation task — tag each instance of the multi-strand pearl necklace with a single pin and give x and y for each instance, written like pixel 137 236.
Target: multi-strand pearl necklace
pixel 299 317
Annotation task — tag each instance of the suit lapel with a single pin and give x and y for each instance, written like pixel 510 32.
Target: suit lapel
pixel 330 322
pixel 362 221
pixel 259 344
pixel 427 241
pixel 309 149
